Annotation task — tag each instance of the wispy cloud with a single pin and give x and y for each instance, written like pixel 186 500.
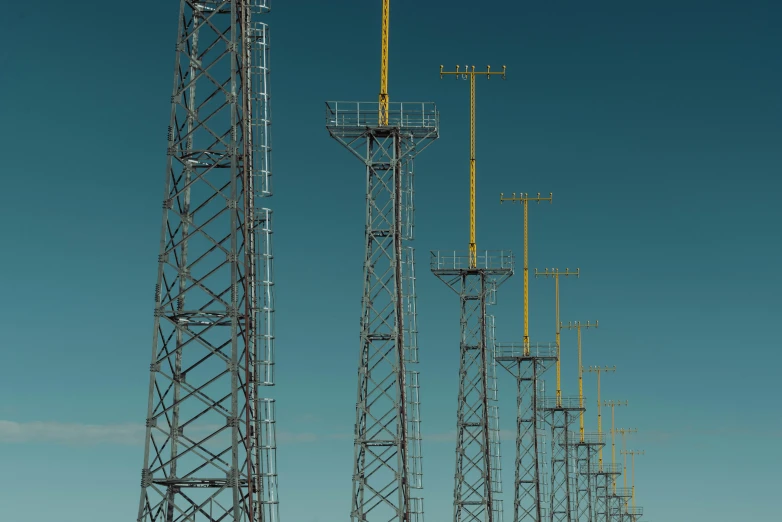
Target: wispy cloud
pixel 71 434
pixel 450 436
pixel 129 434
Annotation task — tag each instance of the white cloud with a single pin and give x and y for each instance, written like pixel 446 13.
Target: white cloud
pixel 12 432
pixel 70 433
pixel 450 436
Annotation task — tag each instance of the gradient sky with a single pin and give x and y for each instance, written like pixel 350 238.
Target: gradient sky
pixel 657 126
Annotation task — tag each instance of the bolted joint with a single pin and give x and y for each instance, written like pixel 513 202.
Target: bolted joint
pixel 232 422
pixel 151 422
pixel 146 478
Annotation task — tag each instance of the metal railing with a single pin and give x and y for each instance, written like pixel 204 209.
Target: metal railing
pixel 574 437
pixel 623 492
pixel 566 403
pixel 607 469
pixel 405 115
pixel 453 260
pixel 516 350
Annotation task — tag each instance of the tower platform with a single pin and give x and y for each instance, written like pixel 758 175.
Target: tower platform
pixel 515 352
pixel 352 119
pixel 569 404
pixel 596 440
pixel 606 469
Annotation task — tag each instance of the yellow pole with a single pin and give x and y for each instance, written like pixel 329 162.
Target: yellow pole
pixel 526 283
pixel 383 97
pixel 632 454
pixel 580 387
pixel 599 424
pixel 613 404
pixel 473 246
pixel 624 433
pixel 578 326
pixel 598 370
pixel 524 199
pixel 555 273
pixel 470 72
pixel 559 351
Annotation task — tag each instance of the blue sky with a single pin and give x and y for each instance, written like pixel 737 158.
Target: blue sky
pixel 656 125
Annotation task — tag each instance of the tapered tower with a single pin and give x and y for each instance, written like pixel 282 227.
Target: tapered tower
pixel 386 136
pixel 210 444
pixel 475 277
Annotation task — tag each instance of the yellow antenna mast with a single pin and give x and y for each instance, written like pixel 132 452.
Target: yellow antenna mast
pixel 469 73
pixel 382 106
pixel 624 432
pixel 578 326
pixel 632 454
pixel 555 273
pixel 613 404
pixel 598 370
pixel 524 199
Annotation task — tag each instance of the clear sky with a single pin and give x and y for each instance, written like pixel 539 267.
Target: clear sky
pixel 657 126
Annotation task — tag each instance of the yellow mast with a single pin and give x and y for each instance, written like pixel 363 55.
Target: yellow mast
pixel 382 114
pixel 613 404
pixel 469 73
pixel 624 432
pixel 524 199
pixel 632 454
pixel 578 326
pixel 598 370
pixel 555 273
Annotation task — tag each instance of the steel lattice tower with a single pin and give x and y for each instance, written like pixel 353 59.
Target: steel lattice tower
pixel 475 277
pixel 527 362
pixel 210 439
pixel 604 476
pixel 386 137
pixel 477 475
pixel 585 449
pixel 387 460
pixel 561 415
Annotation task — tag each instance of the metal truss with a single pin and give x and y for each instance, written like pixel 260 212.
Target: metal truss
pixel 633 513
pixel 583 451
pixel 527 365
pixel 387 443
pixel 477 463
pixel 210 439
pixel 617 502
pixel 603 477
pixel 561 414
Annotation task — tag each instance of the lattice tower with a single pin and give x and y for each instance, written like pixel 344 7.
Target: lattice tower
pixel 625 432
pixel 527 362
pixel 475 277
pixel 560 413
pixel 582 448
pixel 386 137
pixel 210 438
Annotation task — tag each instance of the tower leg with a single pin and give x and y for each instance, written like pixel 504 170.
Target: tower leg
pixel 387 440
pixel 209 450
pixel 473 495
pixel 527 490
